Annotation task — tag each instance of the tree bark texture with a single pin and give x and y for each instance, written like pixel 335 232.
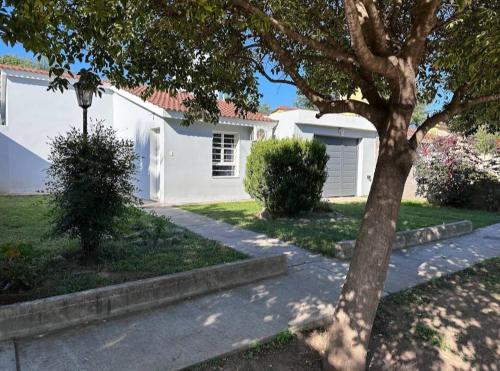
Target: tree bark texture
pixel 349 335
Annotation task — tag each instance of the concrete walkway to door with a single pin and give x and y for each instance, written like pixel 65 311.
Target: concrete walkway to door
pixel 179 335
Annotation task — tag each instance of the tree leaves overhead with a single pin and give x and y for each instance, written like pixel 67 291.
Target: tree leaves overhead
pixel 209 46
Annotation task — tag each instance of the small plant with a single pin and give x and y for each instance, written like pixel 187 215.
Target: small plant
pixel 286 176
pixel 19 266
pixel 429 335
pixel 91 185
pixel 284 337
pixel 485 142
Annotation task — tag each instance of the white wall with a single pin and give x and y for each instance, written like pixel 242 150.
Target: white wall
pixel 34 116
pixel 188 163
pixel 133 121
pixel 304 124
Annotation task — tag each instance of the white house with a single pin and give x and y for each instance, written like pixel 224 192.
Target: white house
pixel 351 142
pixel 199 163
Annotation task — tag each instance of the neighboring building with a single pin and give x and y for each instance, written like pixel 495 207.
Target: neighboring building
pixel 352 144
pixel 178 164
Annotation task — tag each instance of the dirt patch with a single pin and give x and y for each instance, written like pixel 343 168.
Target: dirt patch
pixel 451 323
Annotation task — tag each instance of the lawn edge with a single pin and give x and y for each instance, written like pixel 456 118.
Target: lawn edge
pixel 64 311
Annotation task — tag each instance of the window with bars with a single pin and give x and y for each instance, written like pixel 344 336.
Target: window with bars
pixel 224 156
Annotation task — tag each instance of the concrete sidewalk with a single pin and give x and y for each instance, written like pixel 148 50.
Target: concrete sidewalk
pixel 188 332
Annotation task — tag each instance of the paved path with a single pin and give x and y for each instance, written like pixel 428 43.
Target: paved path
pixel 188 332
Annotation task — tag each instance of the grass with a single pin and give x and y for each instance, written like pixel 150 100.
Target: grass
pixel 318 233
pixel 151 246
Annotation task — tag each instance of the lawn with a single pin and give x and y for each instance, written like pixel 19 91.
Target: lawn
pixel 448 323
pixel 319 231
pixel 148 246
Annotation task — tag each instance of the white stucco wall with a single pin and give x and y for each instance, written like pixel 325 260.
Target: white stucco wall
pixel 133 121
pixel 188 163
pixel 33 116
pixel 304 124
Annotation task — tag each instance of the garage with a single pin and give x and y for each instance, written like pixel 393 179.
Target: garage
pixel 342 166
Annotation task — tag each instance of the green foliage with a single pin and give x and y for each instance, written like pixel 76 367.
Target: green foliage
pixel 469 121
pixel 52 266
pixel 286 175
pixel 284 337
pixel 419 114
pixel 264 108
pixel 91 184
pixel 18 266
pixel 484 141
pixel 302 102
pixel 14 60
pixel 429 335
pixel 154 44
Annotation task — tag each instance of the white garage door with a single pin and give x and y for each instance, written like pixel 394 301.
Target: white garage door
pixel 342 166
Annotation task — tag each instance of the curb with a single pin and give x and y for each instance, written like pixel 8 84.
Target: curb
pixel 58 312
pixel 414 237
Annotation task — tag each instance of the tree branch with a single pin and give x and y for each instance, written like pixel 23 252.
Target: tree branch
pixel 263 72
pixel 367 59
pixel 446 22
pixel 324 102
pixel 451 109
pixel 381 36
pixel 424 13
pixel 363 109
pixel 334 52
pixel 362 80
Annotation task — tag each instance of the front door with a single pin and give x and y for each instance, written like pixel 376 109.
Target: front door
pixel 155 164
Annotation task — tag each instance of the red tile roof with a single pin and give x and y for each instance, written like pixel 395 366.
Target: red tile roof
pixel 171 103
pixel 39 71
pixel 161 98
pixel 284 108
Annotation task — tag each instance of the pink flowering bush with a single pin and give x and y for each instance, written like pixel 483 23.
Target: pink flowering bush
pixel 449 172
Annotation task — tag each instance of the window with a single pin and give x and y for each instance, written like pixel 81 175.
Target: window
pixel 224 155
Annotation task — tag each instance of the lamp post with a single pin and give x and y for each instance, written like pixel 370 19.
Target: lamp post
pixel 84 97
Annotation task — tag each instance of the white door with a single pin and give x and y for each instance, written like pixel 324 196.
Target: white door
pixel 155 164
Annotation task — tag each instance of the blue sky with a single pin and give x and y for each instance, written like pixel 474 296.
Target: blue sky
pixel 273 94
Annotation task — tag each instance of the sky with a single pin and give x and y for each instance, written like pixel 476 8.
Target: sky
pixel 272 94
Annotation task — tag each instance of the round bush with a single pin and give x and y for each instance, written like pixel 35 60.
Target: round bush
pixel 286 175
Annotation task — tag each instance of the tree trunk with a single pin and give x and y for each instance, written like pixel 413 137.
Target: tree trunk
pixel 349 335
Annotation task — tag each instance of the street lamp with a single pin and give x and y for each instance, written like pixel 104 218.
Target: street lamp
pixel 84 97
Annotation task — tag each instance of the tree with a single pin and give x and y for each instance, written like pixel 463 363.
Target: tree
pixel 419 114
pixel 301 101
pixel 14 60
pixel 264 108
pixel 396 53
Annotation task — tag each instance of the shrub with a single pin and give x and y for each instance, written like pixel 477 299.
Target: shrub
pixel 449 172
pixel 18 266
pixel 91 185
pixel 484 141
pixel 286 175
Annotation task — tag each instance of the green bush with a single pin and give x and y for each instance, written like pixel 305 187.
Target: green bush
pixel 91 185
pixel 19 266
pixel 484 141
pixel 286 175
